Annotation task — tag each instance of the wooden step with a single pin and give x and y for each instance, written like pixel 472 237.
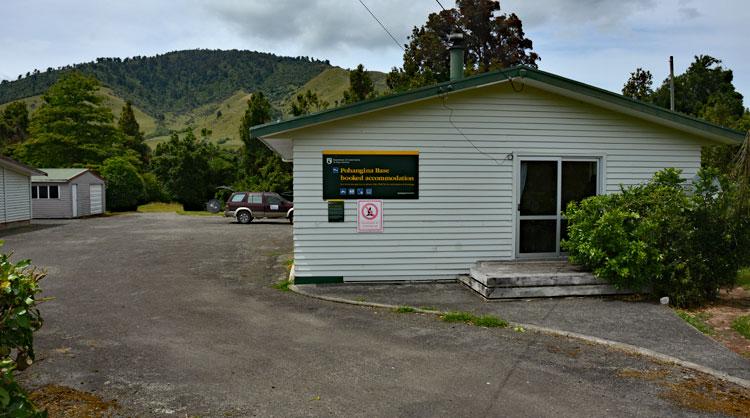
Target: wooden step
pixel 504 292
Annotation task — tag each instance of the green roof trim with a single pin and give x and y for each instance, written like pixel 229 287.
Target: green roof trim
pixel 494 77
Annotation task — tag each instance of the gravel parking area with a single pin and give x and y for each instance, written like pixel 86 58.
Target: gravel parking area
pixel 175 315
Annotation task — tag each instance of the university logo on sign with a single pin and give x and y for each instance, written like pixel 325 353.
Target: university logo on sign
pixel 369 216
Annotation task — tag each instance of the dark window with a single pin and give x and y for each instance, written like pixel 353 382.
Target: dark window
pixel 34 192
pixel 54 192
pixel 256 199
pixel 273 200
pixel 42 192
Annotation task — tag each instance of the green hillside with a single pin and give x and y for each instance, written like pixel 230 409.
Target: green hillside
pixel 178 82
pixel 222 115
pixel 331 84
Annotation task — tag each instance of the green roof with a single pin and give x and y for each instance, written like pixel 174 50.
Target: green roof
pixel 534 77
pixel 58 174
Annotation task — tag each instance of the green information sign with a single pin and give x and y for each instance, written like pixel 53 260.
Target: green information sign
pixel 370 175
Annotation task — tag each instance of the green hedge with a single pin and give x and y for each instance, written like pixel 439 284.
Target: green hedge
pixel 671 238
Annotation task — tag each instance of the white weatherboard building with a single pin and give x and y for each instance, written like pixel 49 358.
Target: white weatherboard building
pixel 499 156
pixel 15 192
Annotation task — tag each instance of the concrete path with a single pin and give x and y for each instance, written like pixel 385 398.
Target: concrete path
pixel 648 325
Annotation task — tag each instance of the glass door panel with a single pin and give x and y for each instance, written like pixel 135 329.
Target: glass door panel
pixel 538 188
pixel 579 181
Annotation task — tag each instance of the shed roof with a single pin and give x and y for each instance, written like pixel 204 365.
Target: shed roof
pixel 521 74
pixel 19 167
pixel 59 175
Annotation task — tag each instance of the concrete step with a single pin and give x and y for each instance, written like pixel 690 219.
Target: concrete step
pixel 530 273
pixel 543 291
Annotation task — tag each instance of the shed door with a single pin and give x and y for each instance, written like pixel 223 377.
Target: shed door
pixel 74 199
pixel 95 195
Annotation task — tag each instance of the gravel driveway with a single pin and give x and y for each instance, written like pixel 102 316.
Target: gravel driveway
pixel 175 315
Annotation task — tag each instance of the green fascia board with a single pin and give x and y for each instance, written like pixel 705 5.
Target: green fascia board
pixel 494 77
pixel 318 280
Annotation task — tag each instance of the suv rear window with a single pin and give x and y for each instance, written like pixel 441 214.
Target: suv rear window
pixel 238 197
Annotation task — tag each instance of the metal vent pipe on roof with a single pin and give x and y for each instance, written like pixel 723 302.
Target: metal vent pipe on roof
pixel 456 56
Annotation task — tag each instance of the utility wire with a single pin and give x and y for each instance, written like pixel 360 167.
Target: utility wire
pixel 440 4
pixel 382 25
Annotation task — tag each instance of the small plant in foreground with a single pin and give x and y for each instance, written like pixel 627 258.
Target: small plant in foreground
pixel 698 321
pixel 741 324
pixel 404 309
pixel 283 285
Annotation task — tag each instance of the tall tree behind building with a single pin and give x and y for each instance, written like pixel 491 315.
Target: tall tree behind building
pixel 14 125
pixel 493 41
pixel 72 127
pixel 133 136
pixel 261 169
pixel 360 86
pixel 639 85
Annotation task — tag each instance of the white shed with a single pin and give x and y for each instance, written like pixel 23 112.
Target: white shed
pixel 468 170
pixel 68 193
pixel 15 192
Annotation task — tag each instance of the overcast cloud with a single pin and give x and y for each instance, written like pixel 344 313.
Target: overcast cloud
pixel 594 41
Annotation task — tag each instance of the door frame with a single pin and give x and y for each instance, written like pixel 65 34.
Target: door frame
pixel 599 158
pixel 74 199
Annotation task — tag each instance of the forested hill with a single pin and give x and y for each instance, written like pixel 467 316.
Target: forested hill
pixel 180 81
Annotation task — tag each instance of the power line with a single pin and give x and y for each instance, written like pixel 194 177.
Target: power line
pixel 440 4
pixel 382 25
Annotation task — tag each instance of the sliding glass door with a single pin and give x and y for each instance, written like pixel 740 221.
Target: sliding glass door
pixel 545 187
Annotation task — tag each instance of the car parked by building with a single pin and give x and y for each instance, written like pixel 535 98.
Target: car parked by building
pixel 246 206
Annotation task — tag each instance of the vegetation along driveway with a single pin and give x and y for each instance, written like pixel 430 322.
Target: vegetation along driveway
pixel 165 314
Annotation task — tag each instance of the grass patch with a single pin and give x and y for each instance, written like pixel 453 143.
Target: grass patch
pixel 489 321
pixel 741 324
pixel 404 309
pixel 743 278
pixel 457 317
pixel 289 263
pixel 360 299
pixel 697 320
pixel 172 207
pixel 160 207
pixel 429 308
pixel 283 285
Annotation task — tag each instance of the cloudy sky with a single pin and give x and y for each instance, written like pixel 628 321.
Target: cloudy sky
pixel 595 41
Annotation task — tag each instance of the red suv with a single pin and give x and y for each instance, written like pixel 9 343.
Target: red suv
pixel 246 206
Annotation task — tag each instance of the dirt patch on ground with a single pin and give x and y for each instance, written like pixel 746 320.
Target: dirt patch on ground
pixel 62 401
pixel 731 304
pixel 696 391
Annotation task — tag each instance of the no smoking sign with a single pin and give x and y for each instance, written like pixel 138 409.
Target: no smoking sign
pixel 369 216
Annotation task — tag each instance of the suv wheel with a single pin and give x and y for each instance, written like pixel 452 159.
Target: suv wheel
pixel 244 217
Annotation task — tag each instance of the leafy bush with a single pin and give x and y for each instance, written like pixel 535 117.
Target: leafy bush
pixel 19 318
pixel 124 185
pixel 152 189
pixel 683 242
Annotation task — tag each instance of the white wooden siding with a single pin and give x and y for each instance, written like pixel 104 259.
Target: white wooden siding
pixel 465 210
pixel 16 196
pixel 53 208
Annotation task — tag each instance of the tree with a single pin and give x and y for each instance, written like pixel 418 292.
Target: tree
pixel 307 103
pixel 125 187
pixel 14 124
pixel 182 166
pixel 639 85
pixel 704 90
pixel 261 169
pixel 133 136
pixel 360 86
pixel 492 42
pixel 71 127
